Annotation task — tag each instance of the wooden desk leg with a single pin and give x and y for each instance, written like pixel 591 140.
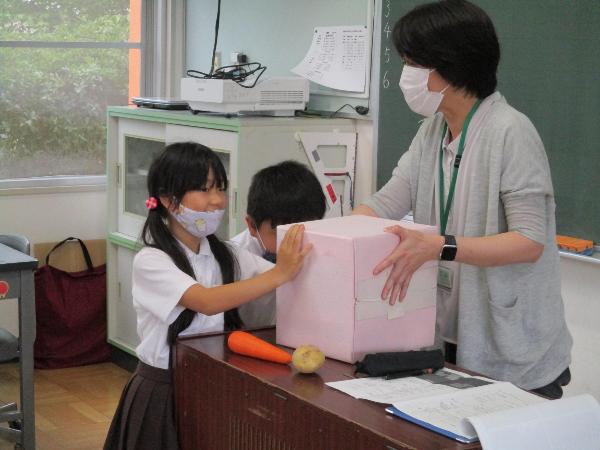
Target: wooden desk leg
pixel 27 337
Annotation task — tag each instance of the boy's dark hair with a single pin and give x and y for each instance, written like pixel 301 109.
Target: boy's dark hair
pixel 180 168
pixel 284 193
pixel 454 37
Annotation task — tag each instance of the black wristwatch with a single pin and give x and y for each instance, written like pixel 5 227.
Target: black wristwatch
pixel 448 252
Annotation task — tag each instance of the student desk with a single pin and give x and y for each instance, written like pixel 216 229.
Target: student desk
pixel 16 281
pixel 232 402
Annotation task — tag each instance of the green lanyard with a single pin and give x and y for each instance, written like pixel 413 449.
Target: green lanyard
pixel 445 209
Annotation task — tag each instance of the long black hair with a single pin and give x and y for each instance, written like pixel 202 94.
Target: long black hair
pixel 183 167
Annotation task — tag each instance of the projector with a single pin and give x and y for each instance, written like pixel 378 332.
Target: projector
pixel 279 96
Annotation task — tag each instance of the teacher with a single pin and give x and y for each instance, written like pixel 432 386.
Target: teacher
pixel 478 170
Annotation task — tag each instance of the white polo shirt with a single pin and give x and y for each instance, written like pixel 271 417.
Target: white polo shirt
pixel 247 241
pixel 262 311
pixel 157 287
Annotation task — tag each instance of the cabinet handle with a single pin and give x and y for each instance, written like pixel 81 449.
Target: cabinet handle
pixel 282 397
pixel 118 174
pixel 235 205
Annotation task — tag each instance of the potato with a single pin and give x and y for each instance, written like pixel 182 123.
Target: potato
pixel 307 358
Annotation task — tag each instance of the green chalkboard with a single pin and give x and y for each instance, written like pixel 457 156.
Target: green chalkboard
pixel 549 70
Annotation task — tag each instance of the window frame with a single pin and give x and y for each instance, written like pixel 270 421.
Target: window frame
pixel 162 54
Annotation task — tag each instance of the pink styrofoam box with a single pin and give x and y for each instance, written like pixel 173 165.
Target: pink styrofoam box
pixel 335 301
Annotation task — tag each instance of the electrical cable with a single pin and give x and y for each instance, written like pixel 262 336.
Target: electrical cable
pixel 344 174
pixel 361 110
pixel 237 72
pixel 212 62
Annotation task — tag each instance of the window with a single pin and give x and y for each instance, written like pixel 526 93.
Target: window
pixel 62 62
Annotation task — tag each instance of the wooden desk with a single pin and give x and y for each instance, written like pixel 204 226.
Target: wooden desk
pixel 16 281
pixel 232 402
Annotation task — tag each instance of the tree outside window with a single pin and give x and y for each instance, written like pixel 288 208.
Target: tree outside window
pixel 62 62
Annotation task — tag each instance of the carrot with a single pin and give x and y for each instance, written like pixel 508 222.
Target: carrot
pixel 249 345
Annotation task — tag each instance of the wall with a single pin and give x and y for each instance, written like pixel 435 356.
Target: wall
pixel 580 287
pixel 48 217
pixel 276 34
pixel 366 161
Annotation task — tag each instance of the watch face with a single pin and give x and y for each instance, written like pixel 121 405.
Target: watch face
pixel 448 252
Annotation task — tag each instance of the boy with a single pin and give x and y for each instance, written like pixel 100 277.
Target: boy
pixel 284 193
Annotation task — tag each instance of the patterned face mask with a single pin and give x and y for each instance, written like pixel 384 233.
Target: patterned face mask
pixel 198 223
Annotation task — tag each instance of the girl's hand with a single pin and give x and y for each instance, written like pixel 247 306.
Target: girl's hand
pixel 414 249
pixel 290 255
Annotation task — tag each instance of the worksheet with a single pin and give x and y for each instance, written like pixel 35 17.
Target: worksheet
pixel 380 390
pixel 337 58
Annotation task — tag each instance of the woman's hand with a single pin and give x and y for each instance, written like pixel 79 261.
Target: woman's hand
pixel 290 255
pixel 414 249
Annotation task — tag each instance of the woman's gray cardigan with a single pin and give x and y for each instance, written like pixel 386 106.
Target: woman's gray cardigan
pixel 511 321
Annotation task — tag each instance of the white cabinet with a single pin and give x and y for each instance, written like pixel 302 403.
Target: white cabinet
pixel 135 136
pixel 124 320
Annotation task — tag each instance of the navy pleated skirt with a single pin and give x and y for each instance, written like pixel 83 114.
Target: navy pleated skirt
pixel 145 417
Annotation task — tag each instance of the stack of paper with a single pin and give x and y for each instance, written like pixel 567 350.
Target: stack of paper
pixel 499 414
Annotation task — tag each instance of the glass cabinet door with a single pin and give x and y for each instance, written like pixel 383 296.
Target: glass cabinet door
pixel 139 154
pixel 223 230
pixel 139 143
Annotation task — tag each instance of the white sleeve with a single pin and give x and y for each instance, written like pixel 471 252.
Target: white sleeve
pixel 240 239
pixel 246 241
pixel 157 283
pixel 250 264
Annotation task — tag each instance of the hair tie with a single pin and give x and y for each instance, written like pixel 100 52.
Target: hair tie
pixel 151 203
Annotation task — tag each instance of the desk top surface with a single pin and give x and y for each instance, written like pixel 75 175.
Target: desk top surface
pixel 311 388
pixel 11 259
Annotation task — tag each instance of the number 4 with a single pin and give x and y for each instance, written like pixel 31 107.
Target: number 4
pixel 387 30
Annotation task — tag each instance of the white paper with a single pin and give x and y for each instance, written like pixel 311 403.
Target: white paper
pixel 568 423
pixel 337 58
pixel 388 392
pixel 370 309
pixel 450 411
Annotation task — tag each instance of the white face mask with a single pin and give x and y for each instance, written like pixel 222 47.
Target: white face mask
pixel 198 223
pixel 419 98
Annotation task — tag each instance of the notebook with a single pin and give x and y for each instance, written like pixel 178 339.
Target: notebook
pixel 503 416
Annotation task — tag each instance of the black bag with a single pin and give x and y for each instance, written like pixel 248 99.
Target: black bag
pixel 398 364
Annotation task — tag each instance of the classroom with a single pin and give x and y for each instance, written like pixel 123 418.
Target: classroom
pixel 248 224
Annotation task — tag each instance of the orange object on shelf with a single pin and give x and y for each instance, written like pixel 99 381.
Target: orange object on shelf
pixel 572 244
pixel 249 345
